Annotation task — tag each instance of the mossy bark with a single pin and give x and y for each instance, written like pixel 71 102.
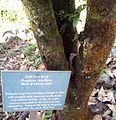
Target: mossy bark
pixel 100 33
pixel 44 26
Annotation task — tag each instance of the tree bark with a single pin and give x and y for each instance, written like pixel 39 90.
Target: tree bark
pixel 99 36
pixel 95 46
pixel 44 26
pixel 100 32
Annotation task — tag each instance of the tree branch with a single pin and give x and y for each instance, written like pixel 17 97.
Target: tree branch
pixel 100 32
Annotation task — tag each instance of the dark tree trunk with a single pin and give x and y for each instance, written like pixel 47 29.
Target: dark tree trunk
pixel 95 46
pixel 67 6
pixel 68 31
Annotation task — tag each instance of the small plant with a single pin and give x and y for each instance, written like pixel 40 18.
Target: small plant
pixel 48 115
pixel 35 56
pixel 28 49
pixel 37 62
pixel 75 17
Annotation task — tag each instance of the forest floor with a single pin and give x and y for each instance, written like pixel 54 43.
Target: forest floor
pixel 18 51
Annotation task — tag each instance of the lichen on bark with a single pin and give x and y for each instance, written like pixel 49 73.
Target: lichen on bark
pixel 43 24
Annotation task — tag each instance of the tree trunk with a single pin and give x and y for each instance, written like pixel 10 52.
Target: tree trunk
pixel 44 26
pixel 95 46
pixel 100 33
pixel 99 36
pixel 68 31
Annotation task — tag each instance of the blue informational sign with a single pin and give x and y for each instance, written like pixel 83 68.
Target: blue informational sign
pixel 37 90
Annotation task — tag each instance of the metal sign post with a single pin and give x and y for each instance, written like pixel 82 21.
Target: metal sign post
pixel 34 90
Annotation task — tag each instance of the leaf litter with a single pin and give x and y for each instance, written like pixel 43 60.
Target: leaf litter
pixel 22 54
pixel 102 101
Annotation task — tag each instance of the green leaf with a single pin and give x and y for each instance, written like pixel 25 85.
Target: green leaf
pixel 26 50
pixel 76 20
pixel 35 56
pixel 29 48
pixel 113 118
pixel 33 46
pixel 75 17
pixel 48 115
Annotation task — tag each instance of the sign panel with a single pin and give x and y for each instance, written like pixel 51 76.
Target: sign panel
pixel 37 90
